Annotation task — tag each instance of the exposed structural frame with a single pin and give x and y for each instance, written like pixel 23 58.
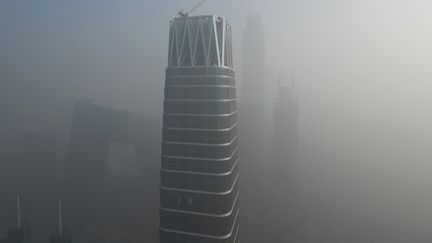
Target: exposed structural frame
pixel 200 41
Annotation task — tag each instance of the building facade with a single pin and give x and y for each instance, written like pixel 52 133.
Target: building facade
pixel 199 168
pixel 96 131
pixel 65 236
pixel 286 218
pixel 254 63
pixel 253 136
pixel 21 233
pixel 286 145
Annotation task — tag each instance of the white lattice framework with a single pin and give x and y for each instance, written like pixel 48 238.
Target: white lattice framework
pixel 200 41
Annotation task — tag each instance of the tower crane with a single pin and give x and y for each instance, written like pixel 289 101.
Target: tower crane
pixel 184 13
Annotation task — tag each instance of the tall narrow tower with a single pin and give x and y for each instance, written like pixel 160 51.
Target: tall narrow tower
pixel 253 83
pixel 21 232
pixel 63 233
pixel 252 131
pixel 199 169
pixel 286 114
pixel 285 221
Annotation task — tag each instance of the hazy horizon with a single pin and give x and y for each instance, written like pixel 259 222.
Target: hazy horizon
pixel 362 73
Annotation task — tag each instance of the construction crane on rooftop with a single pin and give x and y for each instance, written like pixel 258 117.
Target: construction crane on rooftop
pixel 184 13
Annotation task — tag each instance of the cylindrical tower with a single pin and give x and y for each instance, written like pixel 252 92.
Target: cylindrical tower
pixel 199 170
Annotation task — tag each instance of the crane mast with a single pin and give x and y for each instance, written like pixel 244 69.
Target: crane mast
pixel 184 13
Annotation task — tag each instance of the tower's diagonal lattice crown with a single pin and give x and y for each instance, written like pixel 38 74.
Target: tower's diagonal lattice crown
pixel 200 41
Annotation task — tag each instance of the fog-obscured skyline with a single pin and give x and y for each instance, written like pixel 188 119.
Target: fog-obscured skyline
pixel 362 71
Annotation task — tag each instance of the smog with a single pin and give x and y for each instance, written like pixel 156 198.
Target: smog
pixel 215 121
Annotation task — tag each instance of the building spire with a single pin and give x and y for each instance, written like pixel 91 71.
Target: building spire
pixel 18 212
pixel 60 218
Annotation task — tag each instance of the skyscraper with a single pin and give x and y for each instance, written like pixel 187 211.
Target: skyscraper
pixel 21 232
pixel 199 169
pixel 63 233
pixel 285 219
pixel 285 163
pixel 254 63
pixel 252 131
pixel 95 130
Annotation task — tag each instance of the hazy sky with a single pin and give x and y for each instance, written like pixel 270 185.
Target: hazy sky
pixel 363 71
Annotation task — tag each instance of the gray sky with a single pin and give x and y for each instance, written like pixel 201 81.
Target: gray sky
pixel 363 73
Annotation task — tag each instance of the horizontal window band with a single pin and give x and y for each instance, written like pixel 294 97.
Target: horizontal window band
pixel 191 124
pixel 201 158
pixel 189 76
pixel 236 234
pixel 196 109
pixel 201 114
pixel 203 144
pixel 224 215
pixel 199 86
pixel 194 73
pixel 222 237
pixel 201 129
pixel 202 192
pixel 202 173
pixel 200 100
pixel 201 67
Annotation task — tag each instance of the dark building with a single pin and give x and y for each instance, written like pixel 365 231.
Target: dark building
pixel 252 131
pixel 286 219
pixel 28 163
pixel 94 130
pixel 64 237
pixel 285 163
pixel 21 232
pixel 30 171
pixel 63 234
pixel 199 170
pixel 253 83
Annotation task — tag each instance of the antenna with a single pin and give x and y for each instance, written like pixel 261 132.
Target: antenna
pixel 18 212
pixel 60 218
pixel 184 13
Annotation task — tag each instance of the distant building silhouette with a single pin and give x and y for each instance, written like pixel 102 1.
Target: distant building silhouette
pixel 36 177
pixel 29 166
pixel 254 63
pixel 63 233
pixel 94 128
pixel 285 219
pixel 199 175
pixel 65 237
pixel 21 232
pixel 252 131
pixel 285 163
